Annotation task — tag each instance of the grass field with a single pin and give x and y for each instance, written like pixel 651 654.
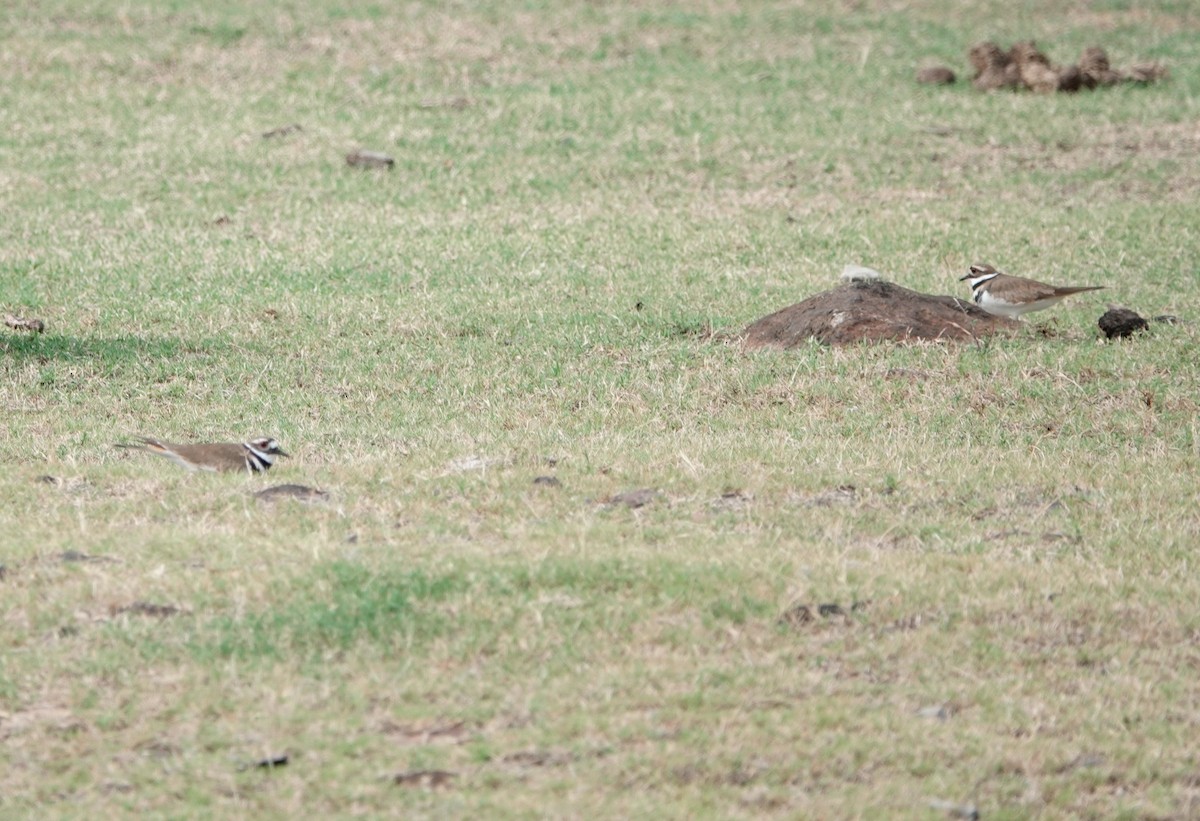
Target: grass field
pixel 887 582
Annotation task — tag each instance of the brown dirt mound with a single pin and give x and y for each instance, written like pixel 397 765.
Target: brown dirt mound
pixel 874 311
pixel 1025 66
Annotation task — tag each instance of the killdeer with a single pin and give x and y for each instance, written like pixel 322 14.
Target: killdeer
pixel 254 456
pixel 1011 296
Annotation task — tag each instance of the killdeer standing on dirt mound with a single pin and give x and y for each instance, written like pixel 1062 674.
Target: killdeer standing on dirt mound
pixel 1011 296
pixel 254 456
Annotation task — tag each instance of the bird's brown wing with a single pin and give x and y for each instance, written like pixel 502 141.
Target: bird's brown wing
pixel 146 443
pixel 1076 289
pixel 224 456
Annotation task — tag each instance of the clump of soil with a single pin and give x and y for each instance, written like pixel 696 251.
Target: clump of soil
pixel 1025 67
pixel 936 76
pixel 20 323
pixel 1121 322
pixel 874 311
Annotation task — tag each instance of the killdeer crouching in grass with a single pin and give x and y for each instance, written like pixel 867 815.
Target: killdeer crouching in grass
pixel 254 456
pixel 1011 296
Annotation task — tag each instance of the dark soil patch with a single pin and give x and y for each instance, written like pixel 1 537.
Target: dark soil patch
pixel 874 311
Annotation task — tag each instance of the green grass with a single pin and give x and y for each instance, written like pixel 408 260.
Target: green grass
pixel 589 202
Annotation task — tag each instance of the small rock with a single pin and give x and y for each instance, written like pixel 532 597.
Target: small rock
pixel 369 159
pixel 732 500
pixel 547 481
pixel 282 131
pixel 939 712
pixel 301 493
pixel 429 779
pixel 936 76
pixel 1070 79
pixel 633 499
pixel 828 610
pixel 796 615
pixel 1121 322
pixel 76 556
pixel 143 608
pixel 538 758
pixel 859 273
pixel 1083 761
pixel 1144 73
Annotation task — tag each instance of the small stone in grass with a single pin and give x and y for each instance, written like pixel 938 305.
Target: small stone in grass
pixel 369 159
pixel 936 76
pixel 796 615
pixel 76 556
pixel 301 493
pixel 936 711
pixel 282 131
pixel 634 498
pixel 429 779
pixel 145 608
pixel 268 763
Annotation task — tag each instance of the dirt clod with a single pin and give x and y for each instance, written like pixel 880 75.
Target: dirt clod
pixel 936 76
pixel 429 779
pixel 1121 322
pixel 369 159
pixel 874 311
pixel 1025 66
pixel 796 616
pixel 301 493
pixel 77 556
pixel 144 608
pixel 20 323
pixel 633 498
pixel 282 131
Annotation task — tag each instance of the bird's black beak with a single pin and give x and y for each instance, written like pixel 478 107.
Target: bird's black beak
pixel 281 453
pixel 966 276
